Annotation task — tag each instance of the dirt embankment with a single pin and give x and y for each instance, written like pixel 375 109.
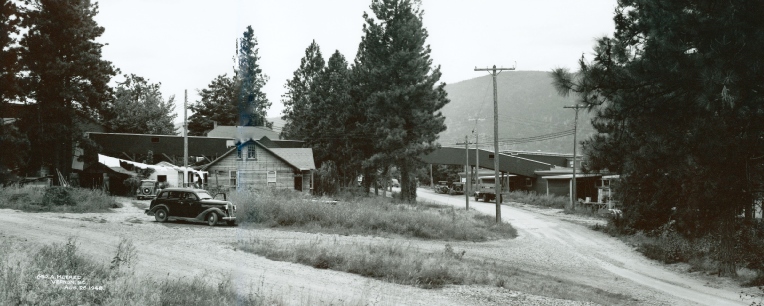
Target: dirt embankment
pixel 546 246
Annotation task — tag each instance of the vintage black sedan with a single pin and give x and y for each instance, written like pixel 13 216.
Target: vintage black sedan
pixel 191 205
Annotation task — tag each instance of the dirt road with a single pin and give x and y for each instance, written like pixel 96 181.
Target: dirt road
pixel 573 251
pixel 546 245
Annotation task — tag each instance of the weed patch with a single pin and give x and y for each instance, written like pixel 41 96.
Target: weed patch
pixel 404 264
pixel 58 274
pixel 56 199
pixel 366 215
pixel 532 198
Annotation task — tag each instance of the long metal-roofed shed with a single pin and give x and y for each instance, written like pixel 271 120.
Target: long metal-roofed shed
pixel 543 173
pixel 170 147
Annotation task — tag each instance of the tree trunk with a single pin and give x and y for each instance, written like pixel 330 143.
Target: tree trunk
pixel 408 185
pixel 727 248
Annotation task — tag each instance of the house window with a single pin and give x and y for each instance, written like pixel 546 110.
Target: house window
pixel 238 152
pixel 251 153
pixel 154 139
pixel 232 179
pixel 271 178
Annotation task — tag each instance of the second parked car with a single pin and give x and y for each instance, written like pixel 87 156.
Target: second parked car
pixel 191 205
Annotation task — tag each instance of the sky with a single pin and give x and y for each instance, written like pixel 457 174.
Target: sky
pixel 186 44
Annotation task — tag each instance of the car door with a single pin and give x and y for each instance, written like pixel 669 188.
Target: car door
pixel 192 205
pixel 173 203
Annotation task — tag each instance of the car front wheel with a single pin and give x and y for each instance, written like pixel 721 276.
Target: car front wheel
pixel 160 215
pixel 212 219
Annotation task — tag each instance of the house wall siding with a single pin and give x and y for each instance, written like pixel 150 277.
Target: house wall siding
pixel 253 174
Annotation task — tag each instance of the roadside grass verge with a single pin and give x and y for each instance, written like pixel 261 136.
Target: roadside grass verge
pixel 366 216
pixel 551 201
pixel 532 198
pixel 405 264
pixel 58 274
pixel 668 246
pixel 56 199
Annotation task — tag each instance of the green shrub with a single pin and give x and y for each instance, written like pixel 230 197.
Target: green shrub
pixel 58 196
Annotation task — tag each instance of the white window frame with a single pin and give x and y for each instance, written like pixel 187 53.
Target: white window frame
pixel 233 177
pixel 251 152
pixel 271 177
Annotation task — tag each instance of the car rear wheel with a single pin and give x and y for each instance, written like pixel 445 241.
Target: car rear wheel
pixel 160 215
pixel 212 219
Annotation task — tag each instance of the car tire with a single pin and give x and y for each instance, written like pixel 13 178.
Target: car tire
pixel 160 215
pixel 212 219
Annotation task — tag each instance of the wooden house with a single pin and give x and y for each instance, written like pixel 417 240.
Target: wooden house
pixel 258 164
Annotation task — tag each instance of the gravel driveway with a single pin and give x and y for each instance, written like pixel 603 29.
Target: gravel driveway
pixel 545 245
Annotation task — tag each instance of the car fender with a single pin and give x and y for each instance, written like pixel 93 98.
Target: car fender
pixel 154 209
pixel 217 210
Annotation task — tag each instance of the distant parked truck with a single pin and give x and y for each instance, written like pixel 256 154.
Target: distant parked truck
pixel 456 188
pixel 442 187
pixel 487 191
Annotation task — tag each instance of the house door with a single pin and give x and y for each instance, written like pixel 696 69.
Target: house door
pixel 298 182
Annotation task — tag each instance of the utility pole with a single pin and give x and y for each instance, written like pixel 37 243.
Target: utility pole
pixel 185 137
pixel 466 170
pixel 477 153
pixel 573 195
pixel 494 72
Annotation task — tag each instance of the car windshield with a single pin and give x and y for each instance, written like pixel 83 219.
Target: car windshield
pixel 203 195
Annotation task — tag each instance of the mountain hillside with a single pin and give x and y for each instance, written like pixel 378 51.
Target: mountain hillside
pixel 529 111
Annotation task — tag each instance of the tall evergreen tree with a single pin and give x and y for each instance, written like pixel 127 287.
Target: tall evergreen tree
pixel 9 52
pixel 65 76
pixel 139 108
pixel 236 100
pixel 253 104
pixel 14 145
pixel 397 86
pixel 218 104
pixel 678 94
pixel 297 104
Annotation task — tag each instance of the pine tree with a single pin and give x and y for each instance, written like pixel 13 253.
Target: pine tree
pixel 139 108
pixel 297 104
pixel 397 86
pixel 65 76
pixel 14 145
pixel 678 93
pixel 218 104
pixel 236 100
pixel 253 104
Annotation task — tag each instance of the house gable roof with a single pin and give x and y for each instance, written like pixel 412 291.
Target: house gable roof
pixel 298 158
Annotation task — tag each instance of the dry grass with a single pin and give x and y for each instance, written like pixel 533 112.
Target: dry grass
pixel 366 216
pixel 406 264
pixel 25 268
pixel 56 199
pixel 532 198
